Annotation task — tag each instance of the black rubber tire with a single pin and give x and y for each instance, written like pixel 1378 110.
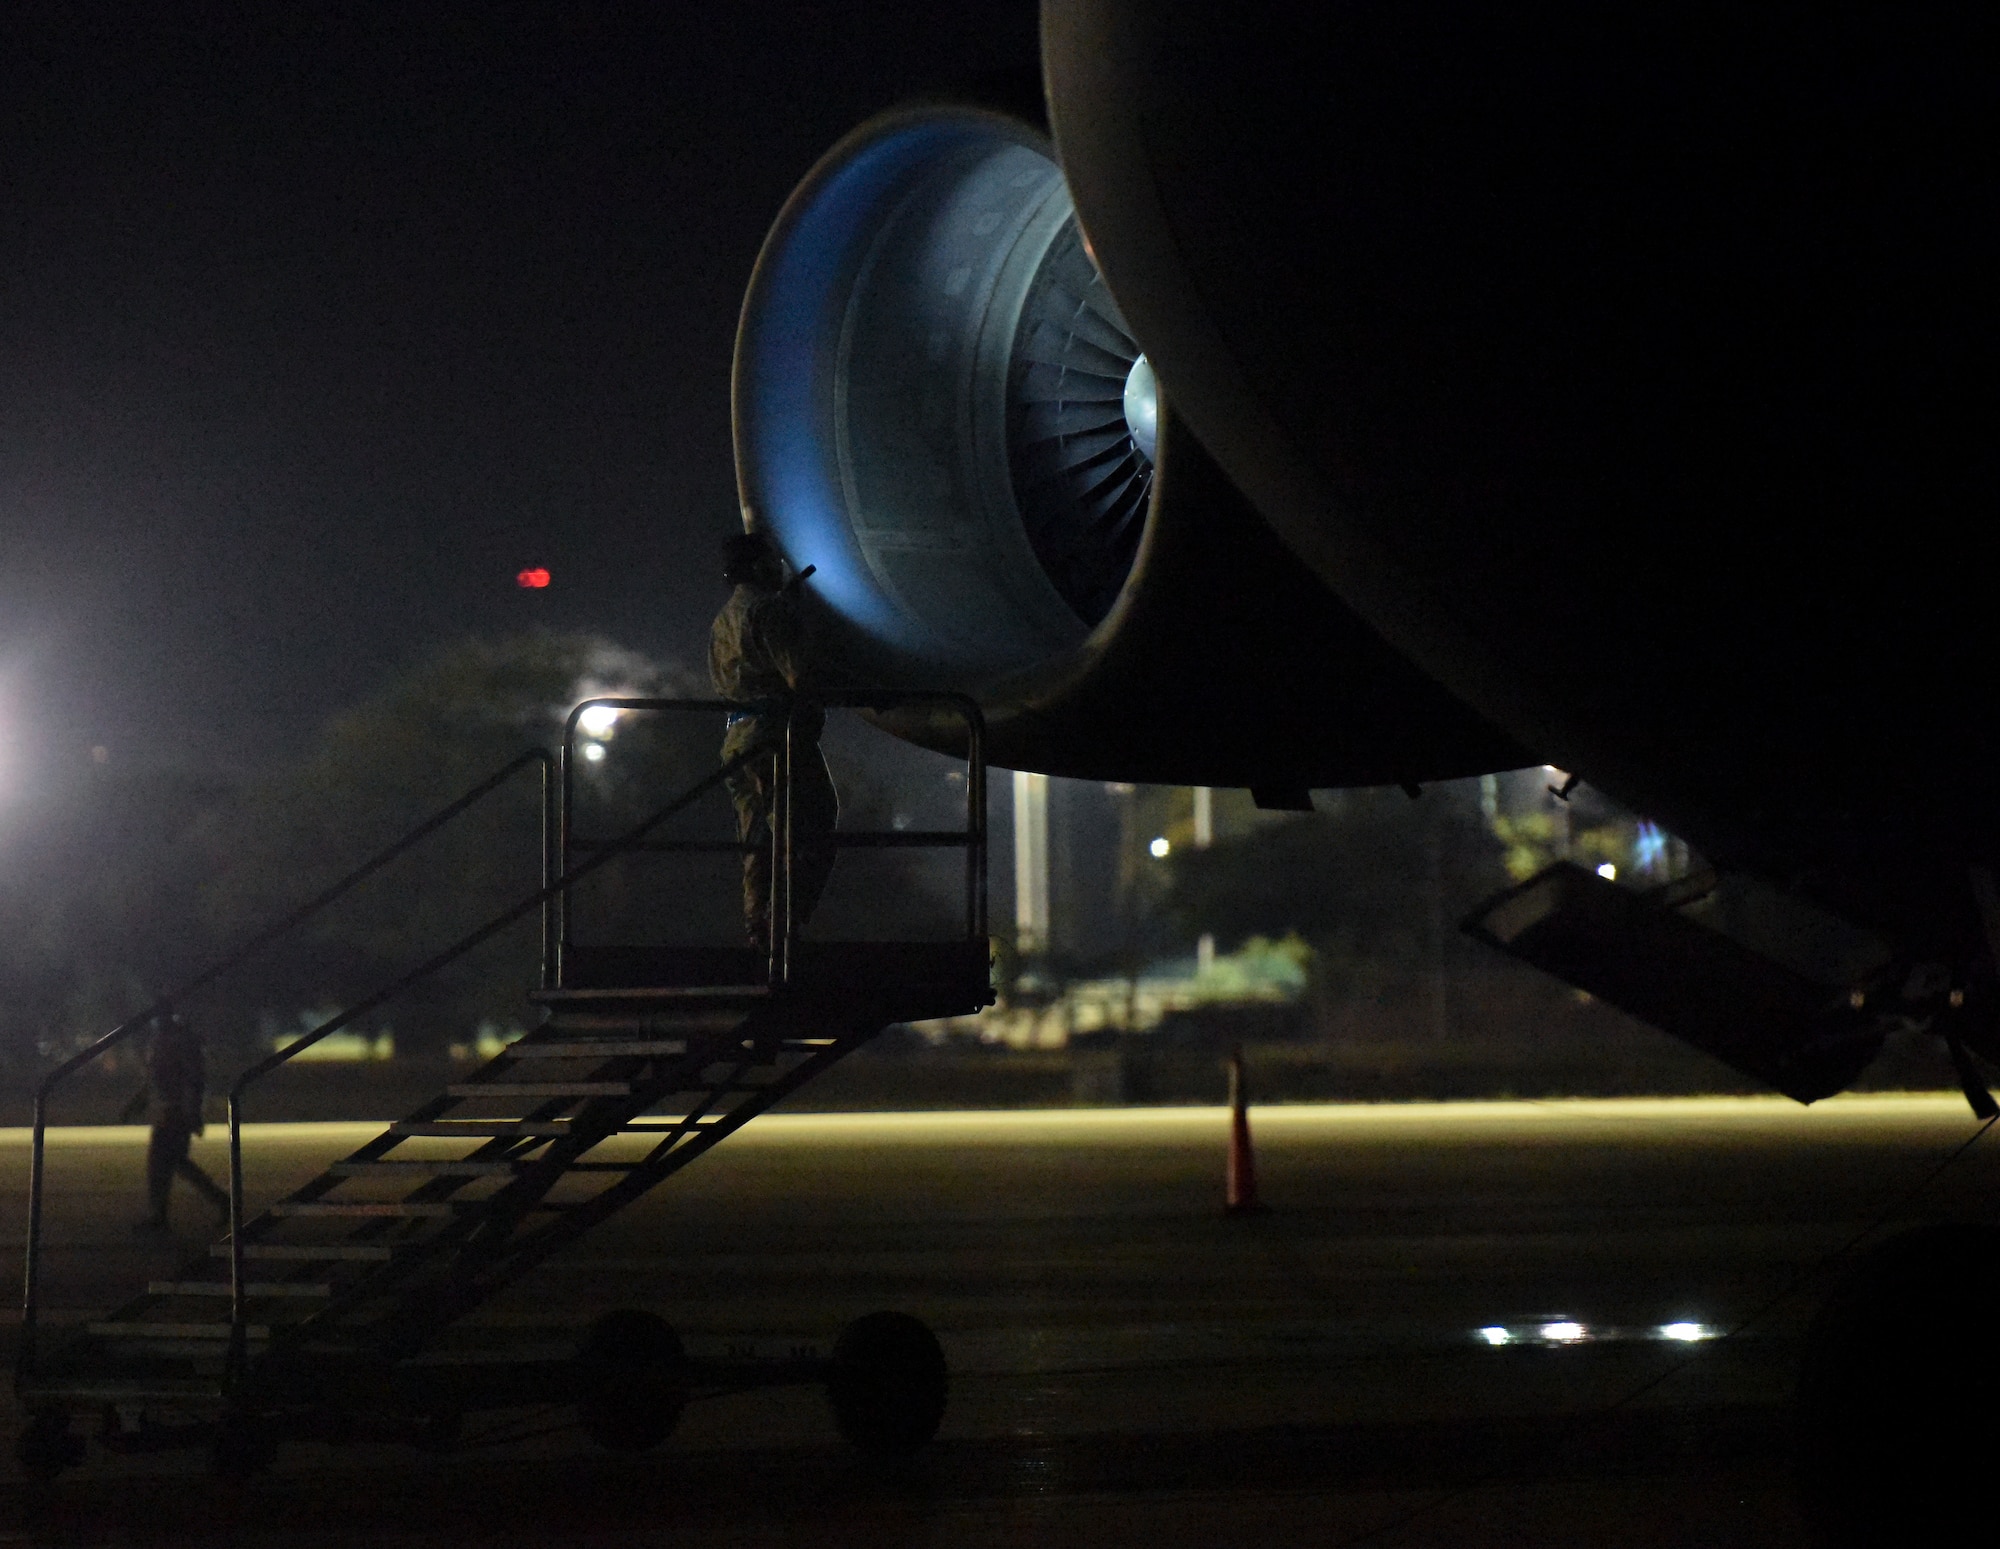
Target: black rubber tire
pixel 46 1447
pixel 1893 1432
pixel 244 1447
pixel 632 1381
pixel 887 1384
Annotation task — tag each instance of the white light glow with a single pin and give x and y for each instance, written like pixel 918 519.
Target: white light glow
pixel 1564 1332
pixel 1159 849
pixel 1496 1336
pixel 597 721
pixel 1687 1333
pixel 1608 872
pixel 593 752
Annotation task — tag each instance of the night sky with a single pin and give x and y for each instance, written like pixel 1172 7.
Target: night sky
pixel 319 322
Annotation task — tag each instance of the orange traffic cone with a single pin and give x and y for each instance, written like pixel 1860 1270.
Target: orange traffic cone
pixel 1241 1177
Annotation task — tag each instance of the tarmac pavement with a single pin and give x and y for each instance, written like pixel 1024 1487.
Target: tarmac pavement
pixel 1479 1323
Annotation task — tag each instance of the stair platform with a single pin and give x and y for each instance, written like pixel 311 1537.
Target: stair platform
pixel 922 979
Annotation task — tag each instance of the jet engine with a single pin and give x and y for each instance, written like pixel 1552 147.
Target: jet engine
pixel 940 405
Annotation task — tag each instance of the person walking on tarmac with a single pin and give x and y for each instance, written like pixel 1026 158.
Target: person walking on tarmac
pixel 176 1083
pixel 757 656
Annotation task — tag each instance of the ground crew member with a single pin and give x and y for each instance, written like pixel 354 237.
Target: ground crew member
pixel 756 655
pixel 176 1083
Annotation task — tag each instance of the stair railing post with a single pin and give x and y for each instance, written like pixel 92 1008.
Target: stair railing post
pixel 38 1168
pixel 975 822
pixel 785 806
pixel 30 1290
pixel 565 832
pixel 772 840
pixel 551 869
pixel 238 1298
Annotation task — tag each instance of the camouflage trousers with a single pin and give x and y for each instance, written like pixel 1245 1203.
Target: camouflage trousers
pixel 815 812
pixel 167 1156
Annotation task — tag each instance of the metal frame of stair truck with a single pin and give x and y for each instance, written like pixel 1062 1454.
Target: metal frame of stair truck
pixel 538 758
pixel 390 1293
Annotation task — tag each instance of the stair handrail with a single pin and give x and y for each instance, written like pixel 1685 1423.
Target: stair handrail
pixel 783 936
pixel 553 888
pixel 973 836
pixel 270 934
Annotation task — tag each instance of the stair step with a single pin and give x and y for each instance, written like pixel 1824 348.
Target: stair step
pixel 222 1288
pixel 482 1129
pixel 687 1019
pixel 391 1167
pixel 539 1089
pixel 321 1207
pixel 174 1330
pixel 306 1252
pixel 672 992
pixel 655 1126
pixel 595 1048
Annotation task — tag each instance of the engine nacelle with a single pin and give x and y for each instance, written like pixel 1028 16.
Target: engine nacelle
pixel 940 405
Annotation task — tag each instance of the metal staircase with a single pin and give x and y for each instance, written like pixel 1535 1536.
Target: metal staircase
pixel 337 1296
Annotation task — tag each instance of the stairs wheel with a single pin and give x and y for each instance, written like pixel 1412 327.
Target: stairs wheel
pixel 887 1384
pixel 244 1446
pixel 46 1447
pixel 632 1381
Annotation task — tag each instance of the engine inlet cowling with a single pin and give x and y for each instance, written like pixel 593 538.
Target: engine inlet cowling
pixel 933 402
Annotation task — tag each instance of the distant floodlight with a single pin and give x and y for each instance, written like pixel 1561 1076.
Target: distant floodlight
pixel 597 721
pixel 1496 1336
pixel 1564 1332
pixel 1607 871
pixel 1686 1333
pixel 593 752
pixel 1159 849
pixel 532 580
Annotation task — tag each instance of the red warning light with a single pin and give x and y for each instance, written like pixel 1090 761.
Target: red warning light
pixel 536 578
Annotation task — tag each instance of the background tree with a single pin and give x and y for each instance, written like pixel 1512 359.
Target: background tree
pixel 374 773
pixel 99 906
pixel 1375 882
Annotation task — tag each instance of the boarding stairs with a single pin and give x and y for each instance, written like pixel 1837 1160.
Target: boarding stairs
pixel 341 1295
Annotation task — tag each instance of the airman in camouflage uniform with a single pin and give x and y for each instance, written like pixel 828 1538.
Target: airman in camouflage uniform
pixel 176 1084
pixel 756 654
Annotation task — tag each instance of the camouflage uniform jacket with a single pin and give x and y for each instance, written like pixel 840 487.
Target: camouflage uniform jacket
pixel 755 651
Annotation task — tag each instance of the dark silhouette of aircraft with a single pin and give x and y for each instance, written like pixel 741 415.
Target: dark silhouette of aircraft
pixel 1345 395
